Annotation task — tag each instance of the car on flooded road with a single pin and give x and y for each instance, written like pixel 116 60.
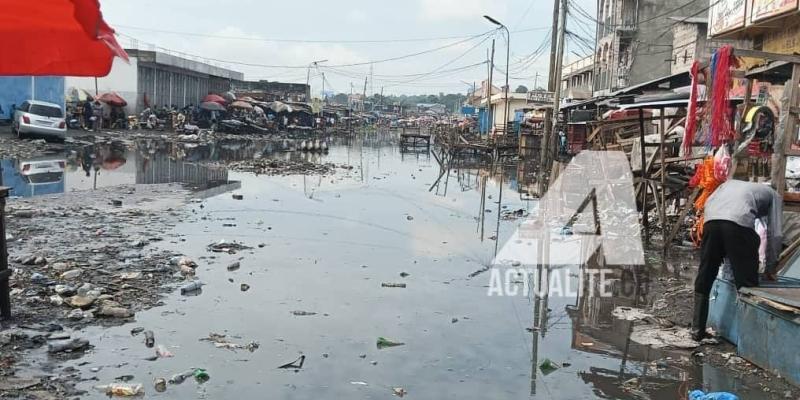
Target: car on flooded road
pixel 39 118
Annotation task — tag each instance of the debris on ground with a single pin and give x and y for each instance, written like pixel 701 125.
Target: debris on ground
pixel 221 342
pixel 160 384
pixel 399 392
pixel 700 395
pixel 244 287
pixel 283 167
pixel 393 285
pixel 296 364
pixel 233 266
pixel 67 345
pixel 384 342
pixel 547 366
pixel 122 389
pixel 192 287
pixel 300 313
pixel 201 375
pixel 162 352
pixel 629 314
pixel 227 247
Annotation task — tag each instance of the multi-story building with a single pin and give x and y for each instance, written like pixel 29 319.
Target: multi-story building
pixel 576 79
pixel 690 42
pixel 634 40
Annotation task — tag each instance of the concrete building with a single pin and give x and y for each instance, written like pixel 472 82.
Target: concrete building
pixel 517 102
pixel 635 41
pixel 577 78
pixel 690 42
pixel 158 79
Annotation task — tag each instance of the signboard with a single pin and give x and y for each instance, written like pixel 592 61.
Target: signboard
pixel 765 9
pixel 540 97
pixel 726 15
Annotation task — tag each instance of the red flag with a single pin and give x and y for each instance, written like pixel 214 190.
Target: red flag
pixel 56 37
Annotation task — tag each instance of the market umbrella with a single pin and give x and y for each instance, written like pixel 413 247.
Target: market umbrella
pixel 113 162
pixel 248 99
pixel 112 99
pixel 241 104
pixel 212 106
pixel 214 98
pixel 57 37
pixel 229 96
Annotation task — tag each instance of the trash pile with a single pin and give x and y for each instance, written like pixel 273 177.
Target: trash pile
pixel 285 167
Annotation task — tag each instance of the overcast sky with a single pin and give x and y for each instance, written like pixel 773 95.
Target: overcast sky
pixel 239 32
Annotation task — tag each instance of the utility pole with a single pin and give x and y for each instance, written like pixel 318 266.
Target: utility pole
pixel 553 85
pixel 364 100
pixel 322 105
pixel 490 115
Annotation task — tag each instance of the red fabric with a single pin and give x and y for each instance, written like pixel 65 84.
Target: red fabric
pixel 56 37
pixel 721 129
pixel 691 115
pixel 214 98
pixel 113 99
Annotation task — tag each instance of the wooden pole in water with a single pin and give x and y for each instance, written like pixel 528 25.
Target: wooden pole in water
pixel 5 273
pixel 662 192
pixel 645 223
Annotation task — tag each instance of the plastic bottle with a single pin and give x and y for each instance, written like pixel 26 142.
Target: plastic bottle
pixel 179 378
pixel 201 375
pixel 149 340
pixel 191 287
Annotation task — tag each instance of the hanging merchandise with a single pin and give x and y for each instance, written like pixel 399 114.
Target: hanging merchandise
pixel 691 116
pixel 721 63
pixel 722 164
pixel 704 179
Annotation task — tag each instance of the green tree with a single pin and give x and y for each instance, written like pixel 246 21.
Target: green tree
pixel 521 89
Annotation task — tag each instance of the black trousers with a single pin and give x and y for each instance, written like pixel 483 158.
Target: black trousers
pixel 737 243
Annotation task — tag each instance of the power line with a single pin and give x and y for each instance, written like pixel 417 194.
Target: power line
pixel 329 41
pixel 250 64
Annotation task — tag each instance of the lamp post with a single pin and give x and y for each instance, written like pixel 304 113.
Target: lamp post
pixel 508 58
pixel 308 77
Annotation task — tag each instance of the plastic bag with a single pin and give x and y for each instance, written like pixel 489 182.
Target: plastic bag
pixel 722 164
pixel 700 395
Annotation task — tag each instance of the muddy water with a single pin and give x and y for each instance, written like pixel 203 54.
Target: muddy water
pixel 328 244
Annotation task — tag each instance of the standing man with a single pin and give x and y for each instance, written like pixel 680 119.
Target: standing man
pixel 729 232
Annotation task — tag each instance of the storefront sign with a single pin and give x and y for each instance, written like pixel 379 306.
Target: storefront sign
pixel 726 15
pixel 765 9
pixel 540 97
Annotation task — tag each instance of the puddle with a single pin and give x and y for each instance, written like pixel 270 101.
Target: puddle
pixel 328 245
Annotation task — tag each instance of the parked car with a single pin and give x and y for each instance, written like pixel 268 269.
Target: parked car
pixel 34 117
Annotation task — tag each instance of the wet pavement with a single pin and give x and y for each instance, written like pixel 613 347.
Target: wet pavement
pixel 320 249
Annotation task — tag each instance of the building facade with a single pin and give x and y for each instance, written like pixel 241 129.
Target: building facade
pixel 154 78
pixel 577 79
pixel 635 41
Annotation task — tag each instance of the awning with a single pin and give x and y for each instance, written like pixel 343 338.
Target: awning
pixel 56 37
pixel 671 81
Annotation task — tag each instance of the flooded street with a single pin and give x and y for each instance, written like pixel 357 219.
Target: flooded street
pixel 320 253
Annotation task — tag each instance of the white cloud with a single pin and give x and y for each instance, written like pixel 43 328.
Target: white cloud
pixel 444 10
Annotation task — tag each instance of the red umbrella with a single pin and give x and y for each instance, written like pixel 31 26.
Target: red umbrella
pixel 112 99
pixel 57 37
pixel 215 98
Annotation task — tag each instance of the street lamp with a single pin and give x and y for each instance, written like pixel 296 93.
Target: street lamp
pixel 508 57
pixel 308 76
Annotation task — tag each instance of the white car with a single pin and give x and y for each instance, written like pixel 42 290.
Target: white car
pixel 39 118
